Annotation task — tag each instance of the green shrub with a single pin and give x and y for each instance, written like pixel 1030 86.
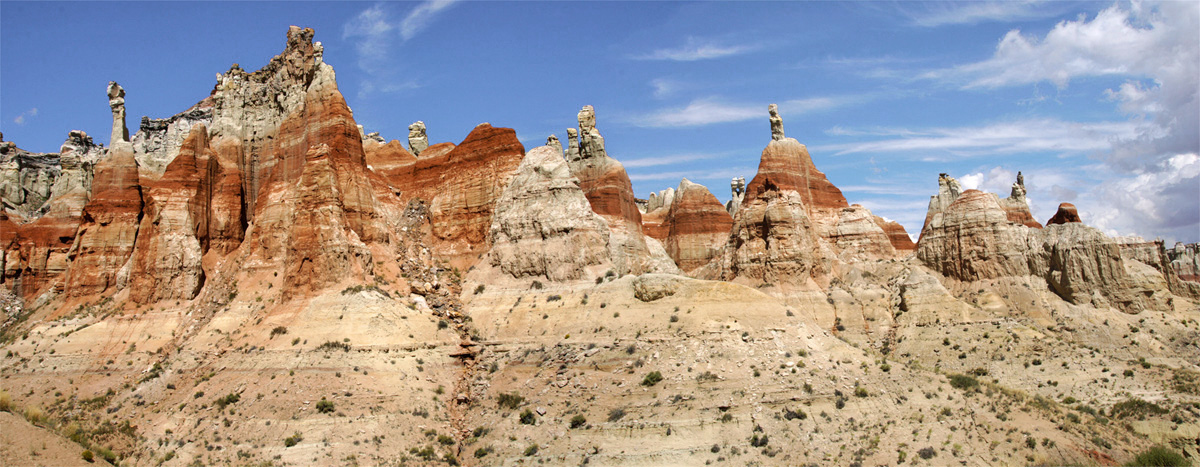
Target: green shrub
pixel 528 418
pixel 963 382
pixel 578 421
pixel 1133 406
pixel 233 397
pixel 531 450
pixel 509 401
pixel 445 440
pixel 651 379
pixel 861 392
pixel 279 330
pixel 334 345
pixel 293 440
pixel 616 414
pixel 479 290
pixel 324 406
pixel 1159 456
pixel 88 456
pixel 481 452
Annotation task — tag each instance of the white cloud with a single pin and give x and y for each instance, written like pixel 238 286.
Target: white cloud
pixel 950 13
pixel 988 140
pixel 421 16
pixel 375 33
pixel 668 160
pixel 711 110
pixel 1161 203
pixel 26 115
pixel 696 49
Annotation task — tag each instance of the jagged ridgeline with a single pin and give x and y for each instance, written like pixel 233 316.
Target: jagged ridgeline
pixel 259 280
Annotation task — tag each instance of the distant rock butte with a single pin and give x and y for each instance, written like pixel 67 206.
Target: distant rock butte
pixel 1066 213
pixel 698 226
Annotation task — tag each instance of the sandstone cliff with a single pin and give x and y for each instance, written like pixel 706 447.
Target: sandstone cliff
pixel 698 226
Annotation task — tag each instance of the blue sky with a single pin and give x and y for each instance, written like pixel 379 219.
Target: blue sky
pixel 1096 102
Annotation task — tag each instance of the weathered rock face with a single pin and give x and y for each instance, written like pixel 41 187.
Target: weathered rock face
pixel 249 108
pixel 859 236
pixel 776 123
pixel 786 165
pixel 417 140
pixel 773 241
pixel 116 101
pixel 698 226
pixel 158 140
pixel 1016 206
pixel 103 245
pixel 192 209
pixel 948 191
pixel 974 239
pixel 1066 213
pixel 553 142
pixel 896 234
pixel 461 183
pixel 40 229
pixel 737 188
pixel 543 224
pixel 1185 260
pixel 654 214
pixel 610 193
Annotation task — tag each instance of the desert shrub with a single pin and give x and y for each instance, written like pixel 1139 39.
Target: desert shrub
pixel 88 456
pixel 616 414
pixel 963 382
pixel 798 414
pixel 528 418
pixel 482 452
pixel 5 402
pixel 536 285
pixel 324 405
pixel 578 421
pixel 758 441
pixel 279 330
pixel 293 440
pixel 445 440
pixel 509 401
pixel 1159 456
pixel 334 345
pixel 706 376
pixel 531 450
pixel 861 392
pixel 480 289
pixel 1135 407
pixel 231 398
pixel 651 379
pixel 927 452
pixel 553 298
pixel 34 415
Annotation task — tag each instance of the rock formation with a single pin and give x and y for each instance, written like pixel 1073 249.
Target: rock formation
pixel 1185 260
pixel 1017 206
pixel 572 152
pixel 553 142
pixel 1066 213
pixel 116 101
pixel 975 238
pixel 417 140
pixel 773 241
pixel 859 236
pixel 159 139
pixel 896 234
pixel 786 165
pixel 654 214
pixel 104 243
pixel 544 226
pixel 698 226
pixel 610 193
pixel 776 123
pixel 737 189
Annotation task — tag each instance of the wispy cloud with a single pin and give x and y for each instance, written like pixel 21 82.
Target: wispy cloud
pixel 374 33
pixel 668 160
pixel 421 16
pixel 1024 136
pixel 951 13
pixel 23 116
pixel 711 110
pixel 696 49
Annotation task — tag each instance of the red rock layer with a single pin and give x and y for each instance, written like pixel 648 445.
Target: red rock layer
pixel 1019 214
pixel 896 235
pixel 773 241
pixel 1066 213
pixel 608 189
pixel 654 224
pixel 193 208
pixel 462 184
pixel 786 165
pixel 109 228
pixel 698 226
pixel 36 254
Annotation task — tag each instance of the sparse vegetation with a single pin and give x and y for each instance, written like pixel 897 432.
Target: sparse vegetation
pixel 509 400
pixel 1159 456
pixel 528 418
pixel 652 378
pixel 963 382
pixel 578 421
pixel 334 345
pixel 278 331
pixel 293 440
pixel 616 414
pixel 325 406
pixel 231 398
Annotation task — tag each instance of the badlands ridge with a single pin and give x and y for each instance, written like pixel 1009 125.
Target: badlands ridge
pixel 258 281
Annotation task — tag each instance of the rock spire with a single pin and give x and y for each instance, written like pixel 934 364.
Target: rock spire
pixel 776 123
pixel 116 100
pixel 417 140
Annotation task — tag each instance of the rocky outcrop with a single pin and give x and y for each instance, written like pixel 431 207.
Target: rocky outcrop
pixel 158 140
pixel 104 243
pixel 249 108
pixel 544 226
pixel 1185 260
pixel 974 238
pixel 52 190
pixel 773 241
pixel 786 165
pixel 553 142
pixel 417 140
pixel 1016 206
pixel 610 193
pixel 776 122
pixel 698 226
pixel 737 189
pixel 858 235
pixel 948 191
pixel 116 102
pixel 896 234
pixel 1066 213
pixel 654 214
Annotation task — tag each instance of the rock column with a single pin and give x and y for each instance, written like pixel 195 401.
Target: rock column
pixel 776 123
pixel 417 140
pixel 572 144
pixel 116 100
